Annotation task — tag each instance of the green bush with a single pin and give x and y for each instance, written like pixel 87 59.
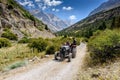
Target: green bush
pixel 24 40
pixel 4 42
pixel 9 35
pixel 105 46
pixel 83 39
pixel 51 49
pixel 39 44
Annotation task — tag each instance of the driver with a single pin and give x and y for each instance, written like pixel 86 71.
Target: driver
pixel 73 43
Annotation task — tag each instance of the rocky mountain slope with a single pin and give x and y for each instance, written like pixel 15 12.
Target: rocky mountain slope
pixel 101 20
pixel 110 4
pixel 54 23
pixel 20 21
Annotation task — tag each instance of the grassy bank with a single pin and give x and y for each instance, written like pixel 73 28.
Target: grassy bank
pixel 102 60
pixel 17 52
pixel 108 72
pixel 104 47
pixel 29 48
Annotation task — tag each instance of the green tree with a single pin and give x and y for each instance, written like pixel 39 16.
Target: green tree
pixel 46 27
pixel 103 26
pixel 117 22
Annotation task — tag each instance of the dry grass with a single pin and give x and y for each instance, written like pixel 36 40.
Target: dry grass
pixel 108 72
pixel 16 52
pixel 105 71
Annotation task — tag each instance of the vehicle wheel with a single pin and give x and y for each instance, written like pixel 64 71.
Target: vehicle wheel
pixel 61 57
pixel 56 55
pixel 74 53
pixel 69 57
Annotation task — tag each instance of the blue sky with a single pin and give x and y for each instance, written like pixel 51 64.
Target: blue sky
pixel 73 10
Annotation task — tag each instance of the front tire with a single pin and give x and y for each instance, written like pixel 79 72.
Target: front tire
pixel 56 55
pixel 61 57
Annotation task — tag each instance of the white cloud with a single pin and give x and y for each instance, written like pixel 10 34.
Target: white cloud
pixel 72 17
pixel 37 0
pixel 24 3
pixel 42 4
pixel 52 3
pixel 31 5
pixel 55 10
pixel 67 8
pixel 44 7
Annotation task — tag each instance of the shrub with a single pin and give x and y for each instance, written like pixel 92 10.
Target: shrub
pixel 104 46
pixel 83 39
pixel 40 44
pixel 46 27
pixel 51 49
pixel 4 42
pixel 24 40
pixel 9 35
pixel 16 65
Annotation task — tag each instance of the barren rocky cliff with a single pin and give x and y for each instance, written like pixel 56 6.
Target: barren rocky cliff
pixel 20 21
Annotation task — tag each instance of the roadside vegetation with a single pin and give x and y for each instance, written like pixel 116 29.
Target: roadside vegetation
pixel 102 59
pixel 14 54
pixel 106 72
pixel 4 42
pixel 104 46
pixel 9 35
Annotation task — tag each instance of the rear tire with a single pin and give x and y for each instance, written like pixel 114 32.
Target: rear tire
pixel 69 57
pixel 74 53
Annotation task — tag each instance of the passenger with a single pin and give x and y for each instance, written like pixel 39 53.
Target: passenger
pixel 67 43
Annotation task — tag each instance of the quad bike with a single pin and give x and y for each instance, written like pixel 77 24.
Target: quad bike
pixel 65 52
pixel 73 51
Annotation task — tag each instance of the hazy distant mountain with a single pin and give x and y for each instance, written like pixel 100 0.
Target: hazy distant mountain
pixel 54 23
pixel 106 6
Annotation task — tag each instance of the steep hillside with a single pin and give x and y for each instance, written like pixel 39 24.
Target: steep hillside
pixel 110 4
pixel 54 23
pixel 20 22
pixel 39 10
pixel 85 28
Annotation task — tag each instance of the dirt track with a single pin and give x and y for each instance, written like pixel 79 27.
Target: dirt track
pixel 53 70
